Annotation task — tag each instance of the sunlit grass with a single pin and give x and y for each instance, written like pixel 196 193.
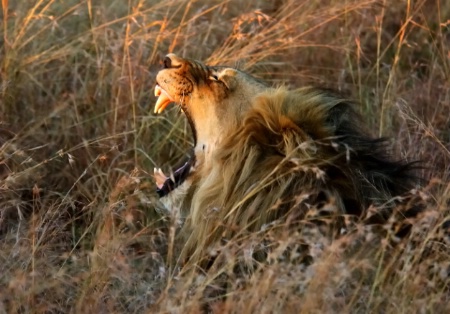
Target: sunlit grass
pixel 81 228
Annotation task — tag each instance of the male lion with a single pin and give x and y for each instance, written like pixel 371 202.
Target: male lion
pixel 263 153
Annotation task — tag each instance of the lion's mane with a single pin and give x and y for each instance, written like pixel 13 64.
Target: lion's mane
pixel 293 150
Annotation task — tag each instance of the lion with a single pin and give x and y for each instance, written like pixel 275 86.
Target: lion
pixel 264 153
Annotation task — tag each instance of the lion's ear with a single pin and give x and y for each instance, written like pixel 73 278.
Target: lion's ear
pixel 228 77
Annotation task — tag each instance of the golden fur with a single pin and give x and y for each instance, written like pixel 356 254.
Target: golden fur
pixel 267 153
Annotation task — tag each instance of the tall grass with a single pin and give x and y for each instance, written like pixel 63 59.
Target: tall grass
pixel 81 229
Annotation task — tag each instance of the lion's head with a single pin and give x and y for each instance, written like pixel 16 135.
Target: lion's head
pixel 263 153
pixel 214 99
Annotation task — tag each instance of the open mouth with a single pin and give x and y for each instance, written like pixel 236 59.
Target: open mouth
pixel 165 184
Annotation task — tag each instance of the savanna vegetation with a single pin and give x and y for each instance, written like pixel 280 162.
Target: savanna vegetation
pixel 81 228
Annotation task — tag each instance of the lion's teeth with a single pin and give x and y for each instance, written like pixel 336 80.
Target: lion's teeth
pixel 160 177
pixel 163 99
pixel 161 173
pixel 161 103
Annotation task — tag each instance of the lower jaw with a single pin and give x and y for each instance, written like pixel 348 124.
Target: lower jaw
pixel 176 179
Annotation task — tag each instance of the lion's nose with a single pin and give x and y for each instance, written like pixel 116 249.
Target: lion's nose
pixel 172 61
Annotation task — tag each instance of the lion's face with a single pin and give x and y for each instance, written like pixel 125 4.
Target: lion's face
pixel 212 97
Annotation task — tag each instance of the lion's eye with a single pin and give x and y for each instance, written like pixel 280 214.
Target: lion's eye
pixel 213 77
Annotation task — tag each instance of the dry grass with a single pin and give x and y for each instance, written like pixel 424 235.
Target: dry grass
pixel 80 225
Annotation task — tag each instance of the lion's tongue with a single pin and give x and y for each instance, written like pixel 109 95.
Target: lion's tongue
pixel 163 99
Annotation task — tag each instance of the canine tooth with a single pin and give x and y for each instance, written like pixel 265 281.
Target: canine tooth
pixel 161 173
pixel 161 103
pixel 160 177
pixel 163 100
